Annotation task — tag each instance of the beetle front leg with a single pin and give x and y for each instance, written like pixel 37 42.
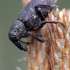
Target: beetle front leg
pixel 40 25
pixel 44 22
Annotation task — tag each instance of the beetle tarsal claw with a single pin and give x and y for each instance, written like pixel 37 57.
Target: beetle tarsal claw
pixel 39 38
pixel 40 35
pixel 56 22
pixel 60 22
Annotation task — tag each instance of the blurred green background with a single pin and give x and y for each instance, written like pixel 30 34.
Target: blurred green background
pixel 9 54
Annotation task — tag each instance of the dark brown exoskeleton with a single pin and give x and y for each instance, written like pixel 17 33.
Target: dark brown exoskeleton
pixel 31 18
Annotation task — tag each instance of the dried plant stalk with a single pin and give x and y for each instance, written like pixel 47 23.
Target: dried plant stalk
pixel 54 53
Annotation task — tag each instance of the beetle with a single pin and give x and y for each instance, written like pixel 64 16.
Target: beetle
pixel 31 18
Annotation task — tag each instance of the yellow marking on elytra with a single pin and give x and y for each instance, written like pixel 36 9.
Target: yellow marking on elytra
pixel 20 29
pixel 42 0
pixel 32 9
pixel 34 16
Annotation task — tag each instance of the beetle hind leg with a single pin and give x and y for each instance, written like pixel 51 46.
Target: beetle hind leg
pixel 18 43
pixel 37 37
pixel 17 31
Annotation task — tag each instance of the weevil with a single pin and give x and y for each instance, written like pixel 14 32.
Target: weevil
pixel 31 18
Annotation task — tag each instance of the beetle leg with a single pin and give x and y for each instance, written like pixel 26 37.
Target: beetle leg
pixel 55 22
pixel 38 37
pixel 44 22
pixel 40 25
pixel 17 31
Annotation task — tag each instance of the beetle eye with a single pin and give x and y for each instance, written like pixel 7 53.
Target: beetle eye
pixel 39 8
